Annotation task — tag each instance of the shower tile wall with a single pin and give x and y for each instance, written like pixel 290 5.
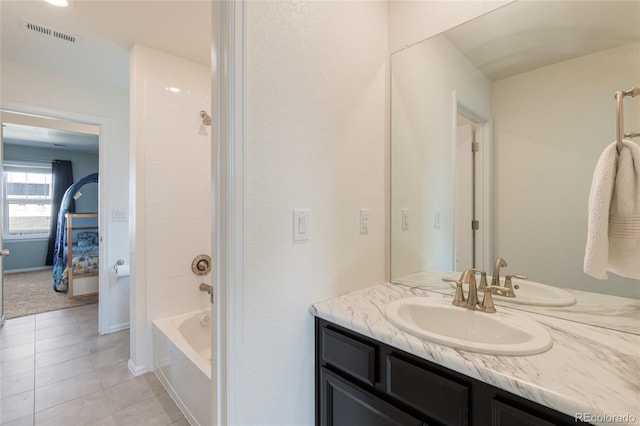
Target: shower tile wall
pixel 177 180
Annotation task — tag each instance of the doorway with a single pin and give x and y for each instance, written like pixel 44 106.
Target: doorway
pixel 32 147
pixel 472 187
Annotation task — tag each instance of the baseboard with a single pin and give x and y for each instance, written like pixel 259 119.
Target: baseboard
pixel 136 370
pixel 37 268
pixel 176 398
pixel 118 327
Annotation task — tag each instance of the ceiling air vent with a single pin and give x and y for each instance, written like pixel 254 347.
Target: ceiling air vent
pixel 48 31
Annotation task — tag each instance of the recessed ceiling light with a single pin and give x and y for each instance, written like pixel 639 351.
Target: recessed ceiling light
pixel 59 3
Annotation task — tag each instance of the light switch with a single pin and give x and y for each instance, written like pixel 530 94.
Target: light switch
pixel 364 220
pixel 300 224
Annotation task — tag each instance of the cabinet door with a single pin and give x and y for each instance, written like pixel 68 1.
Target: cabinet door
pixel 506 415
pixel 345 404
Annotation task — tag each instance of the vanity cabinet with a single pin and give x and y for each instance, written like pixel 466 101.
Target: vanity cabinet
pixel 360 381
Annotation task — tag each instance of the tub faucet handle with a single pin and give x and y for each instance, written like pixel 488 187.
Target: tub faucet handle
pixel 207 289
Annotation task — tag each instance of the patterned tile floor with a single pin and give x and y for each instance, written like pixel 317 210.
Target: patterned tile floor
pixel 55 369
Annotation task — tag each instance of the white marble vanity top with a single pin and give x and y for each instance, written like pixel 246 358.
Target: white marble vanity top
pixel 602 310
pixel 588 369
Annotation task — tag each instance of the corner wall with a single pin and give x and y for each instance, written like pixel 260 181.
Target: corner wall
pixel 170 189
pixel 316 138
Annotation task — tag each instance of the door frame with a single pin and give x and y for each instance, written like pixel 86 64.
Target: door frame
pixel 484 178
pixel 103 223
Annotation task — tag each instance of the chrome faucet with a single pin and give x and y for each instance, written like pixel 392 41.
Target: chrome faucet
pixel 495 280
pixel 469 277
pixel 507 290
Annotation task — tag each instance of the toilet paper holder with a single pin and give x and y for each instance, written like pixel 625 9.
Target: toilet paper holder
pixel 119 262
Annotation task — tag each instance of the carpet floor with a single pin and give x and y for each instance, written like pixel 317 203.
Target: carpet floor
pixel 27 293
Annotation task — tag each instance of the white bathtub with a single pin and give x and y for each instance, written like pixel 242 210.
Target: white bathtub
pixel 182 362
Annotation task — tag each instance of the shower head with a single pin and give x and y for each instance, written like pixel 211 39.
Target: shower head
pixel 206 118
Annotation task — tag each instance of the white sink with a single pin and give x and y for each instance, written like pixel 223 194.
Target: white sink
pixel 533 293
pixel 437 320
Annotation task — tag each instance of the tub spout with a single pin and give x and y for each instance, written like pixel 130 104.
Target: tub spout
pixel 207 289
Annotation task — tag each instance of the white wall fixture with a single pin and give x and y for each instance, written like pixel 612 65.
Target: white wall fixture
pixel 364 220
pixel 300 225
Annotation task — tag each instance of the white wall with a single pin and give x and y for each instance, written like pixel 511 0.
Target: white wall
pixel 551 126
pixel 46 90
pixel 316 96
pixel 416 20
pixel 424 78
pixel 171 190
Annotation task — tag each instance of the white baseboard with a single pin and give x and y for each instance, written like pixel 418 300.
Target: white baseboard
pixel 176 398
pixel 118 327
pixel 37 268
pixel 136 370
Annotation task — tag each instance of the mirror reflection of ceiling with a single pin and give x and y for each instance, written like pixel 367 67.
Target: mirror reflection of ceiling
pixel 531 34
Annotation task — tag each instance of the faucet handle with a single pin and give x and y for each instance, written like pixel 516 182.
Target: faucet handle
pixel 458 298
pixel 487 300
pixel 507 280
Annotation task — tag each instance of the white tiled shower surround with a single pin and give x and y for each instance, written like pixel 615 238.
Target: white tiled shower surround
pixel 172 186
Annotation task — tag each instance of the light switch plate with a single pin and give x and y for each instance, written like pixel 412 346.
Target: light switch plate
pixel 364 220
pixel 300 224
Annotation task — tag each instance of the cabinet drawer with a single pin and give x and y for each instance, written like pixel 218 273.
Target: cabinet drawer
pixel 440 398
pixel 349 355
pixel 506 415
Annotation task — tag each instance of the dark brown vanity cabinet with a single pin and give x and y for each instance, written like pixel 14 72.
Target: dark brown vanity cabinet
pixel 360 381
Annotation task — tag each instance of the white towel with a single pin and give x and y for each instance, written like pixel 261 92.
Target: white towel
pixel 613 235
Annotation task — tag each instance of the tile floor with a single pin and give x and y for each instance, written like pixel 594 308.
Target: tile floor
pixel 55 369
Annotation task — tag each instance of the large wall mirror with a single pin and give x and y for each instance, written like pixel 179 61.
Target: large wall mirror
pixel 496 128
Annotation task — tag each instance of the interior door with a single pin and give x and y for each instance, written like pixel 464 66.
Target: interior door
pixel 464 246
pixel 3 252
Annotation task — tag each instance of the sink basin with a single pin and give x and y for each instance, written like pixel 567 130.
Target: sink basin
pixel 437 320
pixel 533 293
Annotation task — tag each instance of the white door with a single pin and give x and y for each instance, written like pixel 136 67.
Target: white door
pixel 464 244
pixel 3 252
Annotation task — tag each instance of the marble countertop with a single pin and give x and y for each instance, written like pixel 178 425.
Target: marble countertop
pixel 588 369
pixel 602 310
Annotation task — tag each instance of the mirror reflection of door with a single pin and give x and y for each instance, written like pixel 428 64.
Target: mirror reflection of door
pixel 472 219
pixel 465 187
pixel 29 145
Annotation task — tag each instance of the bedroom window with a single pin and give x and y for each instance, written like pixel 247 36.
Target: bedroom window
pixel 27 200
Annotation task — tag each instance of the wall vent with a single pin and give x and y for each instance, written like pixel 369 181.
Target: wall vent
pixel 49 32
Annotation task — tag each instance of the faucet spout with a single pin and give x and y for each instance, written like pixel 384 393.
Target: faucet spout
pixel 495 280
pixel 206 288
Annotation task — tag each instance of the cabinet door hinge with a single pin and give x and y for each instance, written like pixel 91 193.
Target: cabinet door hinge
pixel 475 147
pixel 475 225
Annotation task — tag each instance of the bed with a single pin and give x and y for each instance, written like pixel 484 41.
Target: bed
pixel 80 275
pixel 76 252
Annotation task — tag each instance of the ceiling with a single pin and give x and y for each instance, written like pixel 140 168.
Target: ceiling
pixel 525 35
pixel 42 137
pixel 105 31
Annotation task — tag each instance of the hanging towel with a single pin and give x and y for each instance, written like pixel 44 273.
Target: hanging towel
pixel 613 234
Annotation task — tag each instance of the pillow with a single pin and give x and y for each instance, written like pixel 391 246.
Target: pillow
pixel 86 239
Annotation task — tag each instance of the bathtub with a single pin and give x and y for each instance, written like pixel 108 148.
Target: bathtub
pixel 182 362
